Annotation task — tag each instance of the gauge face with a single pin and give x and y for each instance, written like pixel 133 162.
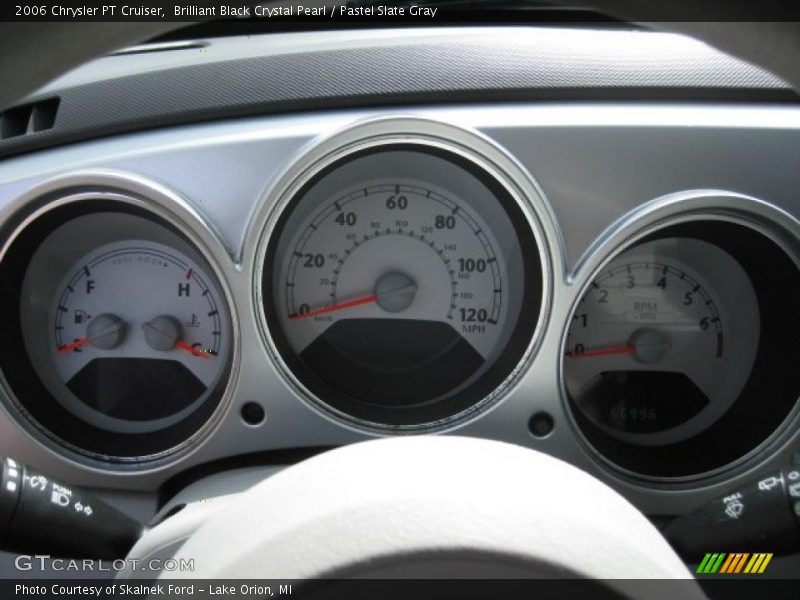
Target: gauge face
pixel 662 342
pixel 394 295
pixel 123 348
pixel 136 336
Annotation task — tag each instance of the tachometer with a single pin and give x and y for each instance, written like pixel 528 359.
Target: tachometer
pixel 663 341
pixel 399 288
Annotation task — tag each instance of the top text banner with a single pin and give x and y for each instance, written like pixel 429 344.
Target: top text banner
pixel 313 11
pixel 397 11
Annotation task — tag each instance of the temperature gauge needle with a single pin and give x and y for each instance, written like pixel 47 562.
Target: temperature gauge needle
pixel 603 352
pixel 199 353
pixel 334 307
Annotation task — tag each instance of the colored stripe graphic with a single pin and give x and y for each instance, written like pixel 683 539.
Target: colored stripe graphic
pixel 711 562
pixel 728 564
pixel 734 563
pixel 758 563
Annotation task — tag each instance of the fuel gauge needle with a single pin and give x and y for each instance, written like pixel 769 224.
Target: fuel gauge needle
pixel 73 345
pixel 105 332
pixel 603 352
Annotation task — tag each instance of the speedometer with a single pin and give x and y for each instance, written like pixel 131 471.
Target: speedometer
pixel 403 286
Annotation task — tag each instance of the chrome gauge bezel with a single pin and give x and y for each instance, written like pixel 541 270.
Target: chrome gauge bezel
pixel 649 219
pixel 429 135
pixel 148 198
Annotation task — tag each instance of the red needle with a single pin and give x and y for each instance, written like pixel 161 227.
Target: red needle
pixel 73 345
pixel 334 307
pixel 603 352
pixel 192 350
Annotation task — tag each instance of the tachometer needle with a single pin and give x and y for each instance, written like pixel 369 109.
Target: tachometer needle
pixel 73 345
pixel 602 352
pixel 334 307
pixel 184 346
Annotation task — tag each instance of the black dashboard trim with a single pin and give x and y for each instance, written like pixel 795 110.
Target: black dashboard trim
pixel 129 94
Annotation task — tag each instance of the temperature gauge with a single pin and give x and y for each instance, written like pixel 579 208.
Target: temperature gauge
pixel 136 337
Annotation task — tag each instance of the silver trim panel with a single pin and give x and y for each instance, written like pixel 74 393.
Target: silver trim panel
pixel 595 167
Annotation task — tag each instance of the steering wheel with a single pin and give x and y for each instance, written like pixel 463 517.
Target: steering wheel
pixel 424 507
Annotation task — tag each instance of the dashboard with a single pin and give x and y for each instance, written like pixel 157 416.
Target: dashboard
pixel 611 282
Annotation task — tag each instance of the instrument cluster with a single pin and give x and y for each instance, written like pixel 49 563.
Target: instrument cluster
pixel 398 278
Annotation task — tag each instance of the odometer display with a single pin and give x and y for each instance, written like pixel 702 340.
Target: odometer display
pixel 397 287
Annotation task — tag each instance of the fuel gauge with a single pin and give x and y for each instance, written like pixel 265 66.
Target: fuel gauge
pixel 136 336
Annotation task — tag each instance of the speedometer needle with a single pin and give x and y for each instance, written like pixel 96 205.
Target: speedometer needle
pixel 370 299
pixel 603 352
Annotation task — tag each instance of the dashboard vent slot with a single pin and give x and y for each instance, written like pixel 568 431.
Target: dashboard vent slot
pixel 28 118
